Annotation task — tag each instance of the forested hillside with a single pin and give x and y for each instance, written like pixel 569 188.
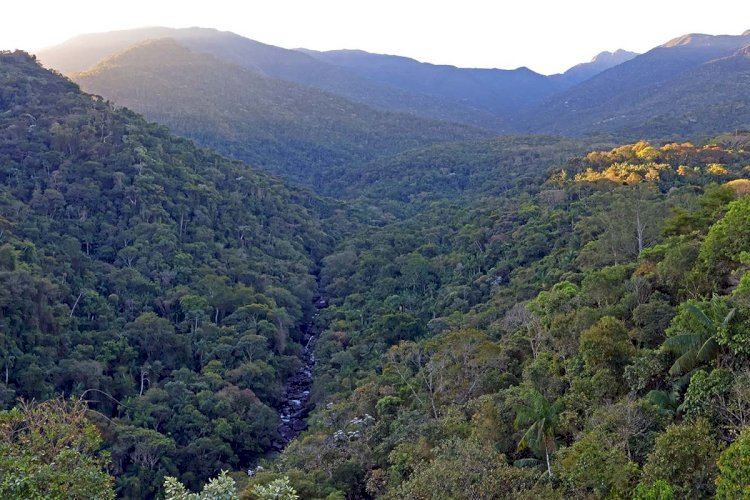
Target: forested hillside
pixel 584 337
pixel 692 86
pixel 483 98
pixel 83 52
pixel 498 91
pixel 292 130
pixel 163 283
pixel 459 172
pixel 526 316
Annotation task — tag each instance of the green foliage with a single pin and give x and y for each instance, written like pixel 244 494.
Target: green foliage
pixel 218 488
pixel 277 489
pixel 480 312
pixel 704 388
pixel 684 457
pixel 148 272
pixel 51 450
pixel 478 322
pixel 727 239
pixel 595 467
pixel 540 419
pixel 694 335
pixel 467 469
pixel 734 469
pixel 606 345
pixel 290 129
pixel 659 490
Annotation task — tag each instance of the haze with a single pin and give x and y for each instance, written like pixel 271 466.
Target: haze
pixel 547 36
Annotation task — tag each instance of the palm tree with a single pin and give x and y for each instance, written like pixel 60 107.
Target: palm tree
pixel 540 418
pixel 698 347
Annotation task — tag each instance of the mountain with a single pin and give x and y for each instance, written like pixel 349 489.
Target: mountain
pixel 484 98
pixel 501 92
pixel 82 52
pixel 640 93
pixel 709 99
pixel 601 62
pixel 166 281
pixel 285 127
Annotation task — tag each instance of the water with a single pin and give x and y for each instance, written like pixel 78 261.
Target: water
pixel 296 407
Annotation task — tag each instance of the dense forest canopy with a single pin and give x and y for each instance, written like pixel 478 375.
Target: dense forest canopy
pixel 160 279
pixel 515 317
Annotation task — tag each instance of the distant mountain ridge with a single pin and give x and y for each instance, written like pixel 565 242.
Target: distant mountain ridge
pixel 680 89
pixel 486 98
pixel 285 127
pixel 501 92
pixel 81 53
pixel 600 62
pixel 678 81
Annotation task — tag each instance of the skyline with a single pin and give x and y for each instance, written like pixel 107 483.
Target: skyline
pixel 470 34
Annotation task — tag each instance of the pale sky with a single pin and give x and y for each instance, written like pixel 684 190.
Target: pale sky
pixel 548 36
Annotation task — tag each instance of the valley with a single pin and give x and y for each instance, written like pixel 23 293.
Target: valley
pixel 261 272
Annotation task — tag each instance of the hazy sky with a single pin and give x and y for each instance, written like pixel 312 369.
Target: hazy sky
pixel 546 35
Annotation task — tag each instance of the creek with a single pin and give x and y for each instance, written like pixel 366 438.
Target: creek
pixel 296 406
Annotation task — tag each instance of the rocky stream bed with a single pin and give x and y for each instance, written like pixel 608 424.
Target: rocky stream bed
pixel 297 406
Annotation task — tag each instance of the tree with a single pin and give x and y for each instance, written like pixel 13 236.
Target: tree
pixel 219 488
pixel 734 469
pixel 695 334
pixel 595 466
pixel 726 240
pixel 685 457
pixel 467 469
pixel 540 418
pixel 278 489
pixel 51 450
pixel 606 345
pixel 659 490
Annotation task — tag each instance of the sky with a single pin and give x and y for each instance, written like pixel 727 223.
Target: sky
pixel 547 36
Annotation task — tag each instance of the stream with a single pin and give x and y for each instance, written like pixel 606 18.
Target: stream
pixel 296 407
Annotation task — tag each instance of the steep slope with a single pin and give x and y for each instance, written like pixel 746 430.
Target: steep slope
pixel 605 103
pixel 163 280
pixel 501 92
pixel 709 99
pixel 521 348
pixel 82 52
pixel 296 131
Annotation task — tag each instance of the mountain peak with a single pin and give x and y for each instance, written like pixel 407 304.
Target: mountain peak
pixel 689 39
pixel 619 55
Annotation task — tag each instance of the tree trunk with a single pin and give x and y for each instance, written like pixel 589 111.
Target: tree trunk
pixel 144 377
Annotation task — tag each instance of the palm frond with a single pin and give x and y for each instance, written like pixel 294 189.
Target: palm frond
pixel 666 400
pixel 684 363
pixel 728 318
pixel 684 342
pixel 698 313
pixel 708 350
